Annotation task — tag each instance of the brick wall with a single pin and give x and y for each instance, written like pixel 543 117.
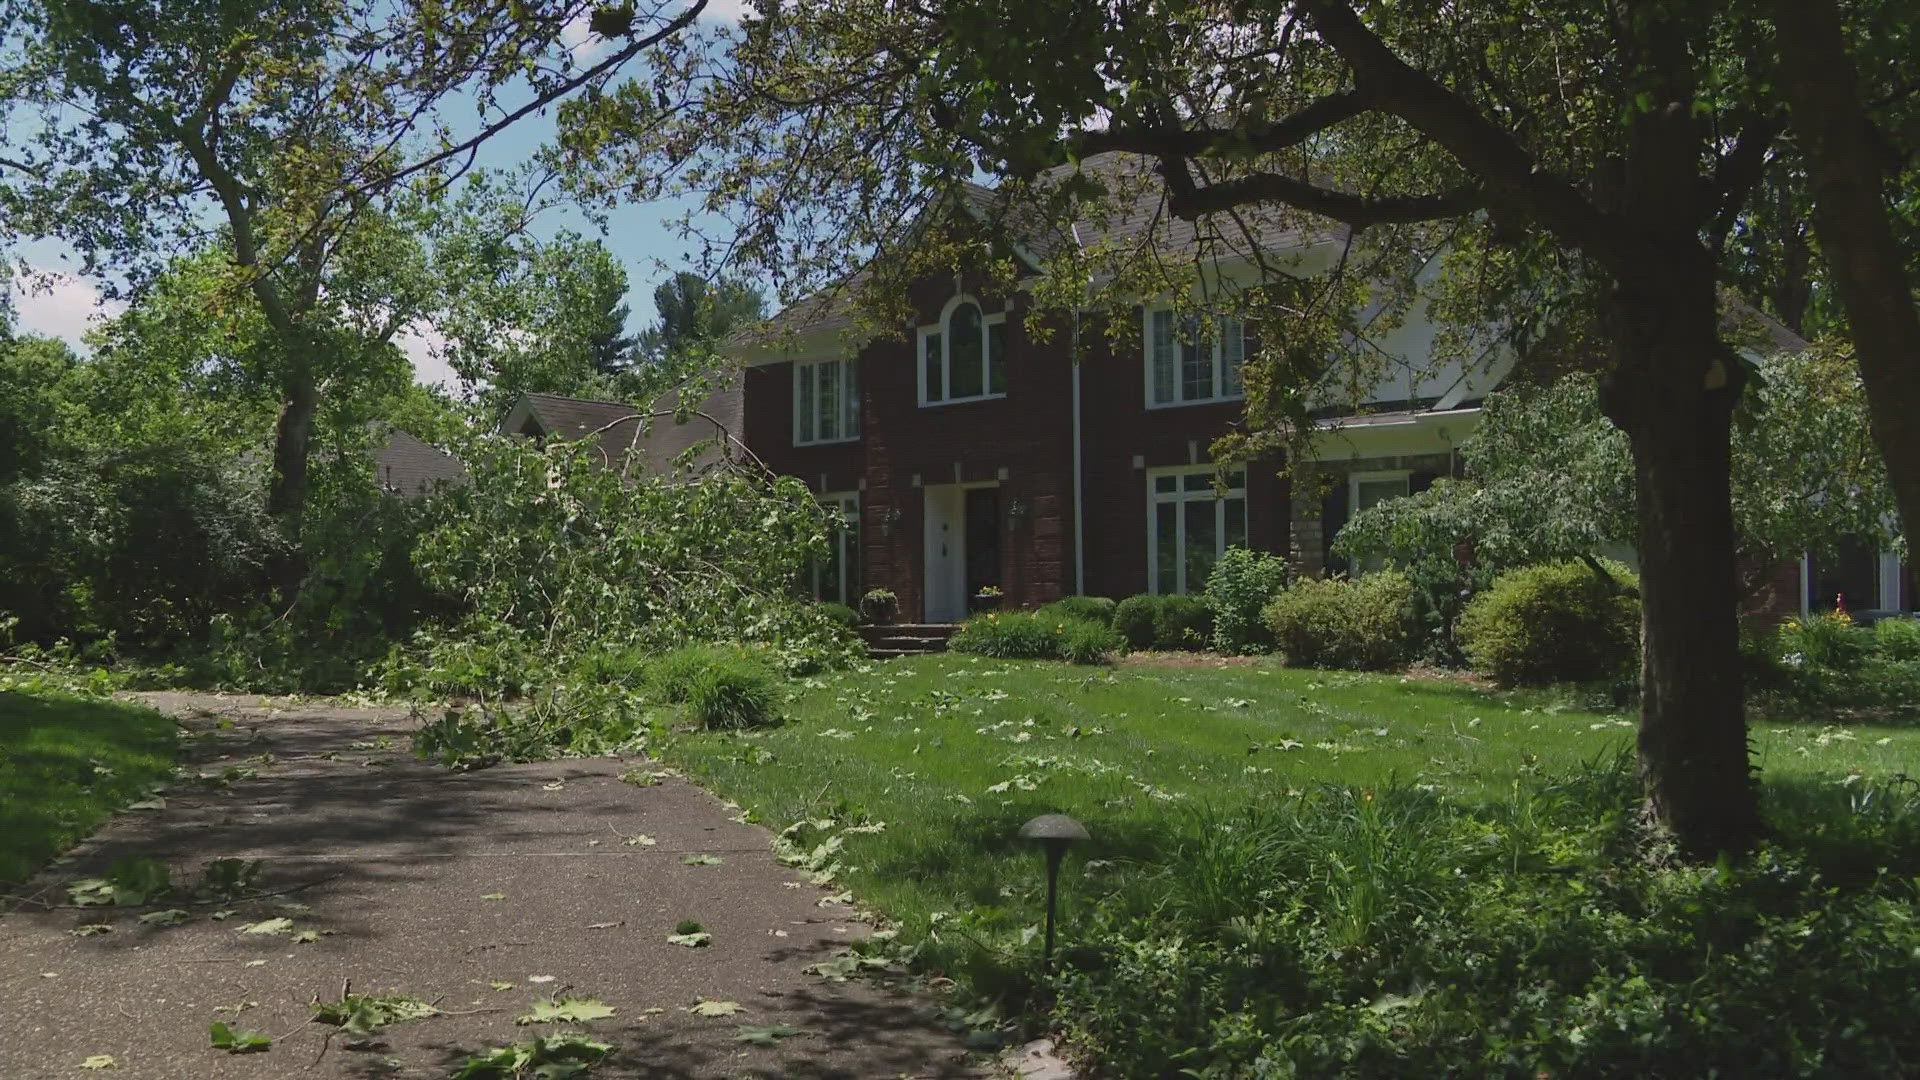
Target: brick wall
pixel 1024 443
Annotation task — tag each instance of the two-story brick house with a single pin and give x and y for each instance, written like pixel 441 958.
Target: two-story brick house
pixel 962 453
pixel 965 454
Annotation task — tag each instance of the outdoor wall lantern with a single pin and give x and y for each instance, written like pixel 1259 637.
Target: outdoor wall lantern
pixel 889 521
pixel 1016 512
pixel 1055 832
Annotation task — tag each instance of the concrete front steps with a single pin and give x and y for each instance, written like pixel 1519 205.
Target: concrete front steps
pixel 906 639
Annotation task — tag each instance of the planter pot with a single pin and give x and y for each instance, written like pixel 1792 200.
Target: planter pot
pixel 984 603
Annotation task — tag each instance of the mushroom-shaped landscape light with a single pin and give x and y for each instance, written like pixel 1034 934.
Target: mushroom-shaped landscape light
pixel 1055 832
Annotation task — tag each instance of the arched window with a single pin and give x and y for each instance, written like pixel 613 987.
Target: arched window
pixel 964 356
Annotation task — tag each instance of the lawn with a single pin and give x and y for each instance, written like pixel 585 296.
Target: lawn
pixel 66 764
pixel 953 753
pixel 1300 871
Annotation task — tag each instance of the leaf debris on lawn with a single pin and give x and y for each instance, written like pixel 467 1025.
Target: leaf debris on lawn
pixel 566 1010
pixel 237 1042
pixel 268 926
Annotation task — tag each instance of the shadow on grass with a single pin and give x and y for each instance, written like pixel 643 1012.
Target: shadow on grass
pixel 66 763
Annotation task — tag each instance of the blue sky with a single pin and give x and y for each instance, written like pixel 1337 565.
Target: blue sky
pixel 635 233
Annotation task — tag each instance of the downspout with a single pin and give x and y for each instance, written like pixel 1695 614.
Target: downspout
pixel 1079 514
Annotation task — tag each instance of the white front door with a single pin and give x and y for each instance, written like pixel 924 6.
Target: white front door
pixel 946 553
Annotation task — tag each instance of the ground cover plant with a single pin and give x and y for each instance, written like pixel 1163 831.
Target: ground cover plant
pixel 66 763
pixel 1340 872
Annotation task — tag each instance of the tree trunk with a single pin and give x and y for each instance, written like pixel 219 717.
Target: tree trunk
pixel 1673 391
pixel 1856 234
pixel 292 438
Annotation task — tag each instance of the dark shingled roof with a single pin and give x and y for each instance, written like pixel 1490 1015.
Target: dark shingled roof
pixel 406 466
pixel 1135 215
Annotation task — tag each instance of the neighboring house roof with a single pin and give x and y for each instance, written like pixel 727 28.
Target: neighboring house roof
pixel 406 466
pixel 617 428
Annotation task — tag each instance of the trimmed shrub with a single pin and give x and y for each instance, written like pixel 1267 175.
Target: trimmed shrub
pixel 1084 641
pixel 1182 623
pixel 1008 635
pixel 1364 623
pixel 1097 609
pixel 1241 586
pixel 842 614
pixel 1555 622
pixel 735 692
pixel 1134 618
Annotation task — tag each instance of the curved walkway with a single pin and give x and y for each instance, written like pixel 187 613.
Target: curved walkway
pixel 481 892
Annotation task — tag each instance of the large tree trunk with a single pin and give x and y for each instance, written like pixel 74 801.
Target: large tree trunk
pixel 1856 234
pixel 1673 390
pixel 292 440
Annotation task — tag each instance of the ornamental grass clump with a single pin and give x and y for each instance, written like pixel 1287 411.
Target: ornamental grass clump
pixel 1022 635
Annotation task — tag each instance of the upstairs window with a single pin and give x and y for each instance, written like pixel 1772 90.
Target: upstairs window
pixel 964 356
pixel 1186 367
pixel 826 402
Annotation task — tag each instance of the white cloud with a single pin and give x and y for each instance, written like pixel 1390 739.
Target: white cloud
pixel 426 347
pixel 60 305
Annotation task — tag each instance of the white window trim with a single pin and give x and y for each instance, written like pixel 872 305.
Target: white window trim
pixel 987 321
pixel 1181 495
pixel 853 406
pixel 1219 366
pixel 848 503
pixel 1354 480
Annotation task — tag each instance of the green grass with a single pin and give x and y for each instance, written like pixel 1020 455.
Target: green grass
pixel 1136 752
pixel 66 763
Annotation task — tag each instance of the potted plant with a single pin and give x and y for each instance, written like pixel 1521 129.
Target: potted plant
pixel 987 599
pixel 880 607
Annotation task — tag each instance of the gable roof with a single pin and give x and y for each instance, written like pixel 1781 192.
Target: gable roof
pixel 409 467
pixel 622 432
pixel 1133 215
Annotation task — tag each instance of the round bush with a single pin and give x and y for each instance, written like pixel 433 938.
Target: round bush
pixel 1134 618
pixel 1008 635
pixel 736 693
pixel 1241 586
pixel 1183 622
pixel 1364 624
pixel 1083 641
pixel 1556 622
pixel 842 614
pixel 1091 608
